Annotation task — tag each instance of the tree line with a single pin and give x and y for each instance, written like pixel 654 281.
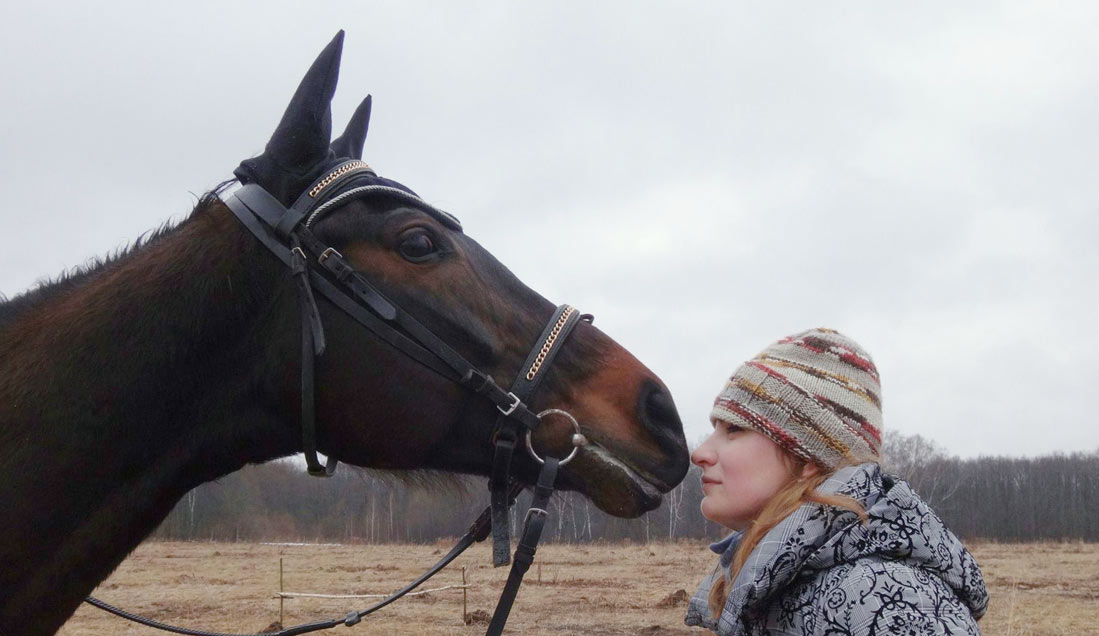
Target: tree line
pixel 1054 497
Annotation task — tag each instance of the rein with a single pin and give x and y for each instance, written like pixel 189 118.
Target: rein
pixel 286 233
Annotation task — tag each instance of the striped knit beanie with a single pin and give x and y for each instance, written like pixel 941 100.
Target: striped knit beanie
pixel 816 394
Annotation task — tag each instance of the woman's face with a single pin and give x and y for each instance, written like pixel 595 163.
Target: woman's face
pixel 741 471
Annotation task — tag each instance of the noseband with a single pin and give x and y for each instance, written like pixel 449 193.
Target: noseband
pixel 317 267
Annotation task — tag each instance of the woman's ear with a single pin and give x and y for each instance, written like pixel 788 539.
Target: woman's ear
pixel 810 469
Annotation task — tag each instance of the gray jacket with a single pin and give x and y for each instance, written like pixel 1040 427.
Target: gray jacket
pixel 820 571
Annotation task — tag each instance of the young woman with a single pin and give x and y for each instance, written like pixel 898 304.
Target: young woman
pixel 823 542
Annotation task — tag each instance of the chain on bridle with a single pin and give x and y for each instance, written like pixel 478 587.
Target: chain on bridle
pixel 287 233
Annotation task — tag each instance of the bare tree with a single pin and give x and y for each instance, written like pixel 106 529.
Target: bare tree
pixel 674 501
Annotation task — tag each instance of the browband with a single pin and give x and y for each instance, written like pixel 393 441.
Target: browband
pixel 345 181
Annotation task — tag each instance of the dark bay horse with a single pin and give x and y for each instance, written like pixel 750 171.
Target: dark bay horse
pixel 124 386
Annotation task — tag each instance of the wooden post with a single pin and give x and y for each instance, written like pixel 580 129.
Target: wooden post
pixel 464 590
pixel 280 592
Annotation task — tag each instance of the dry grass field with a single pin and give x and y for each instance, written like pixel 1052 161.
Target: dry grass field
pixel 1044 588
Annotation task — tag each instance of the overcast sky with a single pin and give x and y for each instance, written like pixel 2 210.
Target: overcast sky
pixel 703 177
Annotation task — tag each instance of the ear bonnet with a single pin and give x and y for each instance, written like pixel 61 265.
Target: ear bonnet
pixel 307 174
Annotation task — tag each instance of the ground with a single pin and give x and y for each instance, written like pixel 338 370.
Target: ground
pixel 1036 588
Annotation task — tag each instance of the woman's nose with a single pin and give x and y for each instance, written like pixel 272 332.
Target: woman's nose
pixel 703 454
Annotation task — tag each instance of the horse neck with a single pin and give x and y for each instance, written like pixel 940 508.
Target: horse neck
pixel 121 393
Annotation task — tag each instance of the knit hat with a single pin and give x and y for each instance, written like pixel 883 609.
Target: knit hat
pixel 816 394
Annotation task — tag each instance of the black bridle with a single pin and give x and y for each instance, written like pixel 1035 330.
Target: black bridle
pixel 317 267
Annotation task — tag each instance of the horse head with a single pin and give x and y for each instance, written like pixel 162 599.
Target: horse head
pixel 378 407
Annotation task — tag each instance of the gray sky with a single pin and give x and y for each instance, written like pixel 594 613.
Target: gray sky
pixel 703 177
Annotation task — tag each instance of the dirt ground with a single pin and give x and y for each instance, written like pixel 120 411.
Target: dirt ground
pixel 1043 588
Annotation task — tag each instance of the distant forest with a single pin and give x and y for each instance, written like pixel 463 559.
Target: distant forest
pixel 1055 497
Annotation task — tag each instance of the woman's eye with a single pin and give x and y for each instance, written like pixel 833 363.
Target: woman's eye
pixel 416 246
pixel 726 427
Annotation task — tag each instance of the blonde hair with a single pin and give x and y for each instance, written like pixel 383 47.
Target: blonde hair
pixel 789 498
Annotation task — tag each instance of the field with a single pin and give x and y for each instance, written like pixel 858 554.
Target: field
pixel 1038 588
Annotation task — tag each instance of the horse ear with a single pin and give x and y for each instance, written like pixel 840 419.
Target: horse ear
pixel 350 143
pixel 298 150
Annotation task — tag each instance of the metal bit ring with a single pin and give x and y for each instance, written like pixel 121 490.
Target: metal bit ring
pixel 578 438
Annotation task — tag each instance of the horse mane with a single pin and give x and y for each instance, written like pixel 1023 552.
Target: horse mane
pixel 74 277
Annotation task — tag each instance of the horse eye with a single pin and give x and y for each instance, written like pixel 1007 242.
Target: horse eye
pixel 416 246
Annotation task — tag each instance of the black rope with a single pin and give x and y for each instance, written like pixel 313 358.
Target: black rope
pixel 300 629
pixel 478 531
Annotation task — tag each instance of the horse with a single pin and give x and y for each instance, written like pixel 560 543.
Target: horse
pixel 128 383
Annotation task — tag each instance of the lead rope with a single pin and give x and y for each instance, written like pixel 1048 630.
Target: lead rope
pixel 477 532
pixel 533 525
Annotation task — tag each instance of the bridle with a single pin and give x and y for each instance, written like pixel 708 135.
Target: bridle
pixel 319 268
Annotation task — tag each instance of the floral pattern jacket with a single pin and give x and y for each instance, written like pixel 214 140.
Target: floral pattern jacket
pixel 821 571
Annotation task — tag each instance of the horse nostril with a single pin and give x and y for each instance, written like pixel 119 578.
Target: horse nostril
pixel 659 413
pixel 661 419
